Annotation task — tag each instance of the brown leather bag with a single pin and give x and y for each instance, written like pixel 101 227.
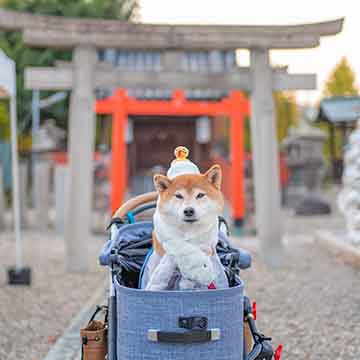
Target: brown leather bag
pixel 94 337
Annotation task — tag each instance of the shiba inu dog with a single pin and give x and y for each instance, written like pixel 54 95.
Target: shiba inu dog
pixel 186 226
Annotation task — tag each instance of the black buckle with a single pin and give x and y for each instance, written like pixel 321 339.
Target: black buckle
pixel 193 322
pixel 84 340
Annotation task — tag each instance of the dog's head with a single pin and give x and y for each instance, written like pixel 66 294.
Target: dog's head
pixel 191 199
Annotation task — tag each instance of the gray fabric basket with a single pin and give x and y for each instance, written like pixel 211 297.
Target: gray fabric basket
pixel 139 311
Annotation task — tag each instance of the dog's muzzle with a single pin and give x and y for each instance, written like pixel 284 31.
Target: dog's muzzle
pixel 189 215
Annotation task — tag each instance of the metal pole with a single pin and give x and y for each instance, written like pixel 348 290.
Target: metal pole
pixel 35 109
pixel 15 179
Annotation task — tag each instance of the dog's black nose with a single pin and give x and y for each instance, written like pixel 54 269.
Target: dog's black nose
pixel 189 212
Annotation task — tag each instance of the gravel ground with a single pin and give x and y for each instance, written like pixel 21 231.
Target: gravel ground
pixel 312 304
pixel 32 318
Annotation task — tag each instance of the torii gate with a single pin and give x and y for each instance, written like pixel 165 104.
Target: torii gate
pixel 84 75
pixel 236 106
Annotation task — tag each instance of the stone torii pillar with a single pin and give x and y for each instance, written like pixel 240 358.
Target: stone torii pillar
pixel 81 155
pixel 265 158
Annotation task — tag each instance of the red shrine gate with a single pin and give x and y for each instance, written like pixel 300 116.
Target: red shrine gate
pixel 120 106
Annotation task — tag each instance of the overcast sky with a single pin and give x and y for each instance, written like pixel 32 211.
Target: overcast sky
pixel 320 60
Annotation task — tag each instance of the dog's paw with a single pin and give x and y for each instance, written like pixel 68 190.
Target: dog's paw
pixel 197 267
pixel 186 284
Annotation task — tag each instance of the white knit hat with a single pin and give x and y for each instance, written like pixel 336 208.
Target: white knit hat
pixel 181 165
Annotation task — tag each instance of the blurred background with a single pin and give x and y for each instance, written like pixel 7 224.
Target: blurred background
pixel 308 298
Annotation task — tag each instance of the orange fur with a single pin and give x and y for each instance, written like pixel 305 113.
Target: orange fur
pixel 209 183
pixel 157 246
pixel 189 182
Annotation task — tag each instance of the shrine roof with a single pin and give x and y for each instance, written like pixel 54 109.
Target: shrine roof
pixel 339 109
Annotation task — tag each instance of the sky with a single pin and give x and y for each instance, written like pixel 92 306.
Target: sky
pixel 320 60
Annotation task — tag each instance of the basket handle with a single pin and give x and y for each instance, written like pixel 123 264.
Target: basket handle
pixel 134 203
pixel 188 337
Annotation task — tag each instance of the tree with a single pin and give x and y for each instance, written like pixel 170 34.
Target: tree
pixel 14 47
pixel 341 81
pixel 287 113
pixel 4 121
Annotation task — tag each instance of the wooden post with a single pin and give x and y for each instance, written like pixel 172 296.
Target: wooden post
pixel 265 158
pixel 119 157
pixel 237 157
pixel 332 149
pixel 81 154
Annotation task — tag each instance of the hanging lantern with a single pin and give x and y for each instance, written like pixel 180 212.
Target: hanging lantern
pixel 203 130
pixel 129 132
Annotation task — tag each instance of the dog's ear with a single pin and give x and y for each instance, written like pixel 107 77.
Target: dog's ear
pixel 214 176
pixel 161 182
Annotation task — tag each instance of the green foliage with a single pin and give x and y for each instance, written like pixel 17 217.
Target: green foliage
pixel 287 113
pixel 14 47
pixel 4 121
pixel 106 9
pixel 341 81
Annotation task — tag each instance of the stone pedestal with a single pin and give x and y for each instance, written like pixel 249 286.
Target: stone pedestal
pixel 61 176
pixel 81 153
pixel 42 194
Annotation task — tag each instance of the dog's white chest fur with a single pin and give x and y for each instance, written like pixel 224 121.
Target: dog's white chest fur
pixel 190 251
pixel 174 237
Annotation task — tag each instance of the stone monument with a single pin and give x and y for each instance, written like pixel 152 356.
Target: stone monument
pixel 305 159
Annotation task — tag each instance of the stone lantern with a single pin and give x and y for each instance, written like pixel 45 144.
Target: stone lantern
pixel 305 159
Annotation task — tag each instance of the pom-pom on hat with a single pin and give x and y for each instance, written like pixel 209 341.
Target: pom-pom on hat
pixel 181 165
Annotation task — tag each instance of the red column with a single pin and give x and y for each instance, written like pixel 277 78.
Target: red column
pixel 238 108
pixel 119 156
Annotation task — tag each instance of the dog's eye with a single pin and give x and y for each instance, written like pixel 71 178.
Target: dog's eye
pixel 179 196
pixel 200 195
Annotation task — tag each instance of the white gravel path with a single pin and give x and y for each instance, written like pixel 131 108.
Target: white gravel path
pixel 32 318
pixel 312 304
